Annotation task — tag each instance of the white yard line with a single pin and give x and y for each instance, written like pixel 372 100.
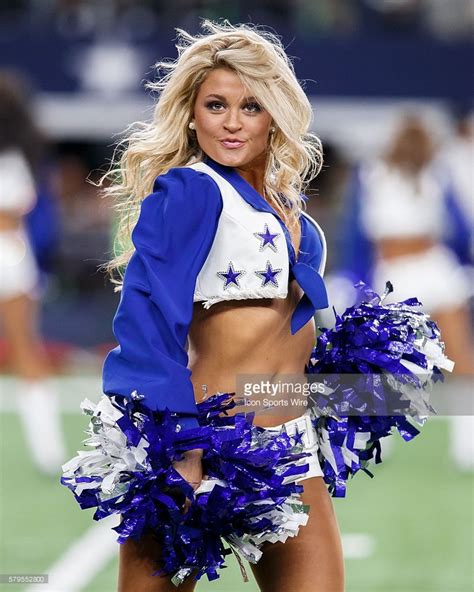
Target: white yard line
pixel 358 546
pixel 83 560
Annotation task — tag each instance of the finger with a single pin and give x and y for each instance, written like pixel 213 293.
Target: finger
pixel 186 506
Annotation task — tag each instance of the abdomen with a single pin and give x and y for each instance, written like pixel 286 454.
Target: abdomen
pixel 247 337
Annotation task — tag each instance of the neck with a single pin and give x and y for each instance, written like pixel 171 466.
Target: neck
pixel 254 173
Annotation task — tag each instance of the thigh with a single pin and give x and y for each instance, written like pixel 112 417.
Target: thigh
pixel 19 322
pixel 455 327
pixel 19 319
pixel 313 560
pixel 138 561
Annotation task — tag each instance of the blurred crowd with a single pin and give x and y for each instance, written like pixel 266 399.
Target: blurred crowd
pixel 141 18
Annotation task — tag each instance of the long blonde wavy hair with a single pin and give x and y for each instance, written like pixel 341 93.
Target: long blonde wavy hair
pixel 152 148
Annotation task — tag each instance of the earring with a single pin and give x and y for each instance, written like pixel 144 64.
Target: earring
pixel 192 125
pixel 272 130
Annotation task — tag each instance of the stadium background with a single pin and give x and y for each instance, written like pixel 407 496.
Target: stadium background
pixel 365 63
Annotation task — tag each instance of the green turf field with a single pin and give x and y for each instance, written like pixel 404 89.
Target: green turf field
pixel 409 529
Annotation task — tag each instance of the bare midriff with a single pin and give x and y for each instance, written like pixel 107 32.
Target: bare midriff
pixel 248 337
pixel 10 221
pixel 391 248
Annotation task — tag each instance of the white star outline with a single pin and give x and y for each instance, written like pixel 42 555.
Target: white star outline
pixel 263 273
pixel 222 275
pixel 270 244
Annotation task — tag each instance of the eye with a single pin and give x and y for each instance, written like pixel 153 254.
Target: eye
pixel 253 107
pixel 214 106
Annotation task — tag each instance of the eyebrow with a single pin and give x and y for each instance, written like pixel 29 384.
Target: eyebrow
pixel 221 98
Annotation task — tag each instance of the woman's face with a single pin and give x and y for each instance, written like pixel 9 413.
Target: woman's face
pixel 231 127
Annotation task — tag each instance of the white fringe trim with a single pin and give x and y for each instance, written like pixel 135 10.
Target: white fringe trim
pixel 249 294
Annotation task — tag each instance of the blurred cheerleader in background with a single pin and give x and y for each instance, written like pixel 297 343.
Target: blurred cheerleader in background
pixel 408 207
pixel 38 405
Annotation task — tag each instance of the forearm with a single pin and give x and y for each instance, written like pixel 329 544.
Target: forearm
pixel 195 453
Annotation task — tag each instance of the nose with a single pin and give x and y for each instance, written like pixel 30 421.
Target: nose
pixel 232 122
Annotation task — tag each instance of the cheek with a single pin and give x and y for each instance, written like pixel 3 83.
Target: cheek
pixel 206 123
pixel 261 130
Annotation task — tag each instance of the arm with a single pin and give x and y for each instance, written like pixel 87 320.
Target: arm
pixel 172 238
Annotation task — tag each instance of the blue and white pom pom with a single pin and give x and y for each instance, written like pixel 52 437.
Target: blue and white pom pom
pixel 397 352
pixel 249 495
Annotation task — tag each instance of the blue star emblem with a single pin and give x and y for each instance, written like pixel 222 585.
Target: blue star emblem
pixel 298 437
pixel 268 275
pixel 267 238
pixel 231 276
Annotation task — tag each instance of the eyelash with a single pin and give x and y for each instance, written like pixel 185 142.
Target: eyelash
pixel 256 106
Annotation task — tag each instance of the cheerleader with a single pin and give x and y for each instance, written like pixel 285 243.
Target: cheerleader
pixel 408 207
pixel 36 396
pixel 456 157
pixel 404 211
pixel 223 275
pixel 225 260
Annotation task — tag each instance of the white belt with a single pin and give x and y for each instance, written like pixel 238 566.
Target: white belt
pixel 301 424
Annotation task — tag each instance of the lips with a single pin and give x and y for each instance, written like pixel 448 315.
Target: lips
pixel 232 143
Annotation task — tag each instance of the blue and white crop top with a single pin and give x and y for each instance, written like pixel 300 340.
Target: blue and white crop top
pixel 203 235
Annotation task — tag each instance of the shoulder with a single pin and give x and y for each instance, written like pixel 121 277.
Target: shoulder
pixel 313 228
pixel 182 199
pixel 18 186
pixel 314 239
pixel 12 157
pixel 185 184
pixel 15 168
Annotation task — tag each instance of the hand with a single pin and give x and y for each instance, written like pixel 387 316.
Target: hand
pixel 190 468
